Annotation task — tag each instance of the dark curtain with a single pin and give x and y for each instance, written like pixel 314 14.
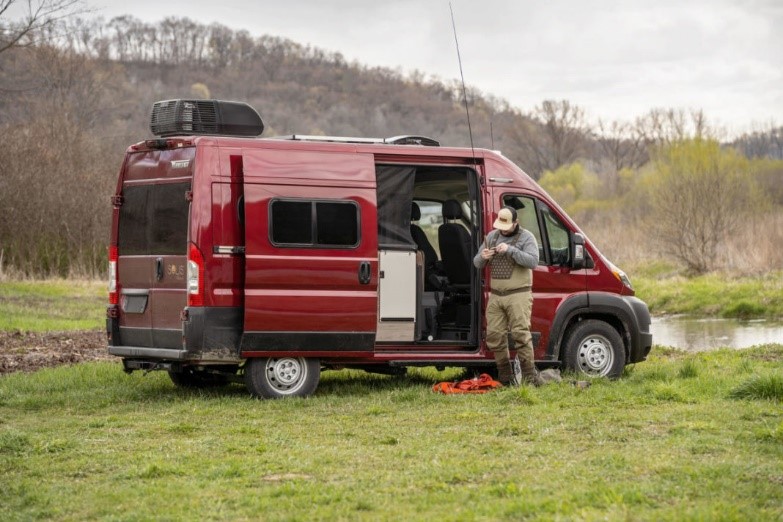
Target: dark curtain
pixel 395 195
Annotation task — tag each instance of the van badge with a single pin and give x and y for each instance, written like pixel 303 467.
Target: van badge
pixel 176 271
pixel 180 164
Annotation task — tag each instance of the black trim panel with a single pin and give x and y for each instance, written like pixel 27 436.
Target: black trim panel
pixel 635 315
pixel 167 338
pixel 213 329
pixel 570 307
pixel 308 341
pixel 141 337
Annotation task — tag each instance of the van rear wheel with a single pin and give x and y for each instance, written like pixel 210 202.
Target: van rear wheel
pixel 595 349
pixel 278 377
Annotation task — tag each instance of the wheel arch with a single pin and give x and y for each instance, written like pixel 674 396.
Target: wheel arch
pixel 609 308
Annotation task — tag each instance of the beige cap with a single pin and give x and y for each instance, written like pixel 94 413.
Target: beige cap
pixel 505 220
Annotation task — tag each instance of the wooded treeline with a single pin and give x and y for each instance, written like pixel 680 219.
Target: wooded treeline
pixel 77 92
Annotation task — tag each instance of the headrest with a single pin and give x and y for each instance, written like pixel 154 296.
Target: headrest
pixel 452 209
pixel 415 212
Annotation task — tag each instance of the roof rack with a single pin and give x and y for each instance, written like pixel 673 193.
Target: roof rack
pixel 395 140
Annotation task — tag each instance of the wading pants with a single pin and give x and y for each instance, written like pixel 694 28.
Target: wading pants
pixel 511 313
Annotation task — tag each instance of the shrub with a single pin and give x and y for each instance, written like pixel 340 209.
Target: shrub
pixel 768 387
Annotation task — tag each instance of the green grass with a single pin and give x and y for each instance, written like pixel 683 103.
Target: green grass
pixel 52 305
pixel 671 440
pixel 667 292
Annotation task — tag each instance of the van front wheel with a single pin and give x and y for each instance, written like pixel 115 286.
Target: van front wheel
pixel 277 377
pixel 594 348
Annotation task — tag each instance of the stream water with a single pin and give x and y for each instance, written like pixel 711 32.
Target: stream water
pixel 696 335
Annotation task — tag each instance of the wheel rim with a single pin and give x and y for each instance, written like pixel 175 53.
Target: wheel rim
pixel 595 355
pixel 285 375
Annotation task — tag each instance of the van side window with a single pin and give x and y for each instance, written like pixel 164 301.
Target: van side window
pixel 526 215
pixel 306 223
pixel 559 250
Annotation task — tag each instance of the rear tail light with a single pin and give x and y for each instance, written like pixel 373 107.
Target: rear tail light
pixel 114 290
pixel 195 275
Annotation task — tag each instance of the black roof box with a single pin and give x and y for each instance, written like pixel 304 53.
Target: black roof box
pixel 209 117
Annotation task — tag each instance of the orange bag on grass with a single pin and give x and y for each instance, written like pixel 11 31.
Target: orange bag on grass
pixel 481 384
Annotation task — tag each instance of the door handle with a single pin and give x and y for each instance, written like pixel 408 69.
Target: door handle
pixel 365 274
pixel 159 268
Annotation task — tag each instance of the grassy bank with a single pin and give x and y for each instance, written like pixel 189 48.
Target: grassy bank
pixel 52 305
pixel 722 295
pixel 680 437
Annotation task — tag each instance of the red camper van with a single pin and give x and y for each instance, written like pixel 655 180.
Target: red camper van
pixel 269 260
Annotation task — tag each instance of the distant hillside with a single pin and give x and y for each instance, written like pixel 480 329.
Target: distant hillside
pixel 74 98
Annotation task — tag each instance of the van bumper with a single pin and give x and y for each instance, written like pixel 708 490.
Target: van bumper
pixel 209 335
pixel 134 352
pixel 640 335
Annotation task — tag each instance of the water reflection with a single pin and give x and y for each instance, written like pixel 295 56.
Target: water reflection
pixel 696 335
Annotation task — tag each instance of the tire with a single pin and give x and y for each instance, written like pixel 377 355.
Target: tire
pixel 189 378
pixel 595 349
pixel 278 377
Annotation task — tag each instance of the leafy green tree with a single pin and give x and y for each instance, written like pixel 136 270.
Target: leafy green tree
pixel 570 183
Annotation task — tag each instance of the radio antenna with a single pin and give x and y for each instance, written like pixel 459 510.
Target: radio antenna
pixel 462 76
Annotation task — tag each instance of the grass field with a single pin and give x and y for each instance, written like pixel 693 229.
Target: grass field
pixel 680 437
pixel 53 305
pixel 721 295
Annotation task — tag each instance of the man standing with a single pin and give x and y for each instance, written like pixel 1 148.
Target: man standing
pixel 512 253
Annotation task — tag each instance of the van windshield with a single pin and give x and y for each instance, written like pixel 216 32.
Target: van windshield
pixel 154 220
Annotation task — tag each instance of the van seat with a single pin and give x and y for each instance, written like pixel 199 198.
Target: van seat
pixel 455 247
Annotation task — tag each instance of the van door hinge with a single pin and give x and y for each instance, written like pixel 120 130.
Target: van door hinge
pixel 117 200
pixel 189 195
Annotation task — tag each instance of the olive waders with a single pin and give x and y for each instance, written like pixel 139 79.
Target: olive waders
pixel 511 299
pixel 512 309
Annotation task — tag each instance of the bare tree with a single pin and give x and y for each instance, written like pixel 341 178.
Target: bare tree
pixel 665 126
pixel 552 135
pixel 38 15
pixel 621 145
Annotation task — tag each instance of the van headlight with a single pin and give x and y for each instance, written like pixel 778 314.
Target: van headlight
pixel 621 276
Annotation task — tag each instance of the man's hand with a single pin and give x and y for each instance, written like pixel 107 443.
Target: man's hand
pixel 501 248
pixel 487 253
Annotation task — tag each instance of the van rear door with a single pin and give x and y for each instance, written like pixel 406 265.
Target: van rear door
pixel 311 253
pixel 152 239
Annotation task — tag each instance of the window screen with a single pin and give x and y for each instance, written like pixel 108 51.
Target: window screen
pixel 332 224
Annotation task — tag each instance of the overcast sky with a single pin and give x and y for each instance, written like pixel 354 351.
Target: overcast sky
pixel 616 59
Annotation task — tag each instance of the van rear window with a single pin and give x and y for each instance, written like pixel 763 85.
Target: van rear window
pixel 154 220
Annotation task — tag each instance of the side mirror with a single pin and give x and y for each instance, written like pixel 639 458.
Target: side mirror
pixel 578 254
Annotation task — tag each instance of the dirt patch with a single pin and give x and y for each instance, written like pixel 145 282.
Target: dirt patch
pixel 28 351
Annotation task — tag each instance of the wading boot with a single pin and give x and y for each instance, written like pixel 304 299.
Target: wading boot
pixel 529 374
pixel 504 368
